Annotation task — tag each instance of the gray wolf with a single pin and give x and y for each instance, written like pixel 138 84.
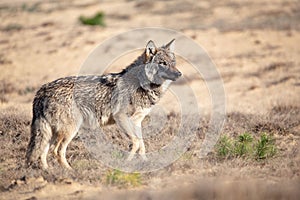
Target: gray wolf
pixel 61 107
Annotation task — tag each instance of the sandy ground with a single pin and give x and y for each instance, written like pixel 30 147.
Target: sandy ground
pixel 253 44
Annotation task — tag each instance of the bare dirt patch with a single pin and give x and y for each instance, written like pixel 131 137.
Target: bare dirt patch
pixel 255 46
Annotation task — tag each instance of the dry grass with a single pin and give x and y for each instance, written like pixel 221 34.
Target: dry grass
pixel 14 129
pixel 257 57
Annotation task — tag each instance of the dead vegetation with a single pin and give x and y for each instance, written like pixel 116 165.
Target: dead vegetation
pixel 279 122
pixel 257 57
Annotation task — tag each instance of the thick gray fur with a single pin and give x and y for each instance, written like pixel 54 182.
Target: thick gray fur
pixel 61 107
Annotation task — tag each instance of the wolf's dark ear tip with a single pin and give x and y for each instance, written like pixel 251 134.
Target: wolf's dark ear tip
pixel 150 44
pixel 173 40
pixel 170 46
pixel 150 48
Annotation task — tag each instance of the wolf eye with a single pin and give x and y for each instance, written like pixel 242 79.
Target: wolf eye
pixel 164 63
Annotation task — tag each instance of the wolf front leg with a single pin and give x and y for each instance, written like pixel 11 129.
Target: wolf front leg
pixel 127 126
pixel 137 119
pixel 130 126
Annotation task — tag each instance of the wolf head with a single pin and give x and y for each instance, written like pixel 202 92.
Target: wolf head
pixel 161 63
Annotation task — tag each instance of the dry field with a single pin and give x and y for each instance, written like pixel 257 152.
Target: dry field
pixel 255 47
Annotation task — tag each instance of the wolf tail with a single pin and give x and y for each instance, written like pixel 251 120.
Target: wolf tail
pixel 39 144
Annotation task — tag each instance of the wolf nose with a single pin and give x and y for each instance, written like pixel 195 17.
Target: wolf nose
pixel 178 73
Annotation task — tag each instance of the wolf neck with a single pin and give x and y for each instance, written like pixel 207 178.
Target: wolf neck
pixel 165 85
pixel 139 61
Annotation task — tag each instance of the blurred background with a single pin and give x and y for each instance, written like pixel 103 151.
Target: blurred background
pixel 254 45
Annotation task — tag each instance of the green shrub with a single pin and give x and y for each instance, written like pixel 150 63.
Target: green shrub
pixel 265 147
pixel 31 8
pixel 246 147
pixel 121 179
pixel 96 20
pixel 243 146
pixel 224 147
pixel 13 27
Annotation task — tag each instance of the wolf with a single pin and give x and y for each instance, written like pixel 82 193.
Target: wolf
pixel 61 107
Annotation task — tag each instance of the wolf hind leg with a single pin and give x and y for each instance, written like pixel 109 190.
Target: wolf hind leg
pixel 65 136
pixel 57 145
pixel 44 154
pixel 62 151
pixel 45 143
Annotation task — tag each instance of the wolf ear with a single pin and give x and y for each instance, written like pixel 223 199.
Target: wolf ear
pixel 149 75
pixel 151 71
pixel 170 46
pixel 146 76
pixel 150 48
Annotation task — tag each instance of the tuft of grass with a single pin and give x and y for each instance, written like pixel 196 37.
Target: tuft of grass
pixel 31 8
pixel 117 155
pixel 118 178
pixel 27 90
pixel 224 147
pixel 83 164
pixel 96 20
pixel 265 147
pixel 188 155
pixel 12 27
pixel 243 146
